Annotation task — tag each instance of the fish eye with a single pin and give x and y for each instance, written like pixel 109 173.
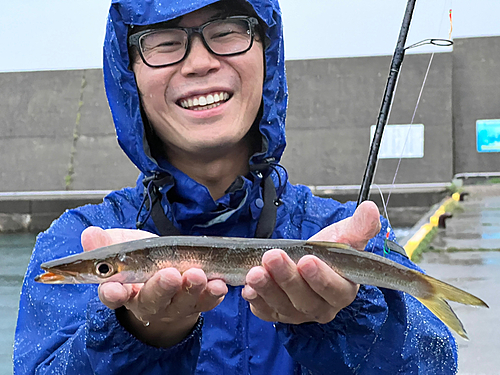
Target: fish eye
pixel 104 269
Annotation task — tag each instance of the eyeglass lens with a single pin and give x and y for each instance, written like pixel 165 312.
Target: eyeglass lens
pixel 223 37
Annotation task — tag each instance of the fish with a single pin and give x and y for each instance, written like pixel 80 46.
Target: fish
pixel 230 259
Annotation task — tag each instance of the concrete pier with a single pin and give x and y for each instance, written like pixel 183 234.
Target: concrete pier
pixel 467 254
pixel 33 211
pixel 475 225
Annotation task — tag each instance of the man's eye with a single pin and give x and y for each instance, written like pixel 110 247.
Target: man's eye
pixel 222 34
pixel 169 44
pixel 166 46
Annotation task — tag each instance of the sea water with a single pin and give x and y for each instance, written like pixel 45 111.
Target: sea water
pixel 15 252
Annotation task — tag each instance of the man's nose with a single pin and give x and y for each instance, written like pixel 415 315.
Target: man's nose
pixel 199 61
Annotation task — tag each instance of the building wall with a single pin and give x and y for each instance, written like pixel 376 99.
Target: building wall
pixel 476 96
pixel 56 131
pixel 333 103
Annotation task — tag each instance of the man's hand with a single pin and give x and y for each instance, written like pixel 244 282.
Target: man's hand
pixel 310 291
pixel 162 311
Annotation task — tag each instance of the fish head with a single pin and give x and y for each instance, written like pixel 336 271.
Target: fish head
pixel 76 269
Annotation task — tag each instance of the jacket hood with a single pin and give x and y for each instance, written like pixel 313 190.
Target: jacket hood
pixel 123 96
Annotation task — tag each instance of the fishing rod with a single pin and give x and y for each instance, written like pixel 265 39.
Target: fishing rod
pixel 397 60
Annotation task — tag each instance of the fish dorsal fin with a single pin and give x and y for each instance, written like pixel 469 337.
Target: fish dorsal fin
pixel 328 244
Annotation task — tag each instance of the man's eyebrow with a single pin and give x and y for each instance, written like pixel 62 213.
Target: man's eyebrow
pixel 175 22
pixel 218 15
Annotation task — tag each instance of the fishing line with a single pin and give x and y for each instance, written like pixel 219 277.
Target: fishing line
pixel 389 226
pixel 409 129
pixel 437 42
pixel 388 120
pixel 396 61
pixel 384 205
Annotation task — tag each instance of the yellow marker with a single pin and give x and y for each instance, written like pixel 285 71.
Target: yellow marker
pixel 418 237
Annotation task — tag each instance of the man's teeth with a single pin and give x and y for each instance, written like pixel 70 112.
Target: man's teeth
pixel 205 102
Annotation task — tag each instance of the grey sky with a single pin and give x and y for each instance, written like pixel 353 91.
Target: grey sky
pixel 62 34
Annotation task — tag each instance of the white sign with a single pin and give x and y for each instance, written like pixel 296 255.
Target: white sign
pixel 401 141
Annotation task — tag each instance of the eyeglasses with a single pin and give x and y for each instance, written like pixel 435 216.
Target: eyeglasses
pixel 224 37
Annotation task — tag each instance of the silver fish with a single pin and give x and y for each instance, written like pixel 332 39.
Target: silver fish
pixel 229 259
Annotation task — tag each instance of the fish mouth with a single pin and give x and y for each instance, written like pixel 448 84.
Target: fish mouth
pixel 55 278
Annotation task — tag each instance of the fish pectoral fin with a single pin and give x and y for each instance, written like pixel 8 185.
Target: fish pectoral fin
pixel 445 313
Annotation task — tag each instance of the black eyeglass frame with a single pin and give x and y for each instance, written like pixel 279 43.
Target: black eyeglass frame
pixel 134 40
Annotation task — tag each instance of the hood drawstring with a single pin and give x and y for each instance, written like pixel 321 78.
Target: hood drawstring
pixel 265 169
pixel 139 223
pixel 282 184
pixel 271 196
pixel 152 185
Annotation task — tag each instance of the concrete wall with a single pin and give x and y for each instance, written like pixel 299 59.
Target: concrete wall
pixel 56 131
pixel 476 96
pixel 333 103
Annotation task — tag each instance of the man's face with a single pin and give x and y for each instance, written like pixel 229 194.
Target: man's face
pixel 169 95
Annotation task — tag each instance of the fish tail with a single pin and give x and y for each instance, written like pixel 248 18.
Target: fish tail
pixel 443 311
pixel 436 302
pixel 452 293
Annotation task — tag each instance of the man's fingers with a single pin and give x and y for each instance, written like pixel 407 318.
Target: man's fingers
pixel 157 293
pixel 194 282
pixel 284 272
pixel 258 306
pixel 260 280
pixel 114 295
pixel 328 284
pixel 170 295
pixel 355 230
pixel 213 294
pixel 95 237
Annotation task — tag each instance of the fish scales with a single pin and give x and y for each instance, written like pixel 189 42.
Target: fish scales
pixel 224 260
pixel 230 259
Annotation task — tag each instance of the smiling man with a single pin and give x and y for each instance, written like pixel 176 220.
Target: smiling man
pixel 201 91
pixel 198 94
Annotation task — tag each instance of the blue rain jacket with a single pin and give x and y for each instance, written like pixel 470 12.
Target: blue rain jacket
pixel 65 329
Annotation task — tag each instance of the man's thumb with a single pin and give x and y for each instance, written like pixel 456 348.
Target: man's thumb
pixel 356 230
pixel 95 237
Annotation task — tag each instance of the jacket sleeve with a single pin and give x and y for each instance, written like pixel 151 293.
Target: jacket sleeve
pixel 381 332
pixel 65 329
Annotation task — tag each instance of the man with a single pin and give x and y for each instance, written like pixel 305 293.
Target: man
pixel 198 96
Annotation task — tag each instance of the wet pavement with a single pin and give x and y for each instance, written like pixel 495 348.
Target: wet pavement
pixel 476 225
pixel 479 274
pixel 467 255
